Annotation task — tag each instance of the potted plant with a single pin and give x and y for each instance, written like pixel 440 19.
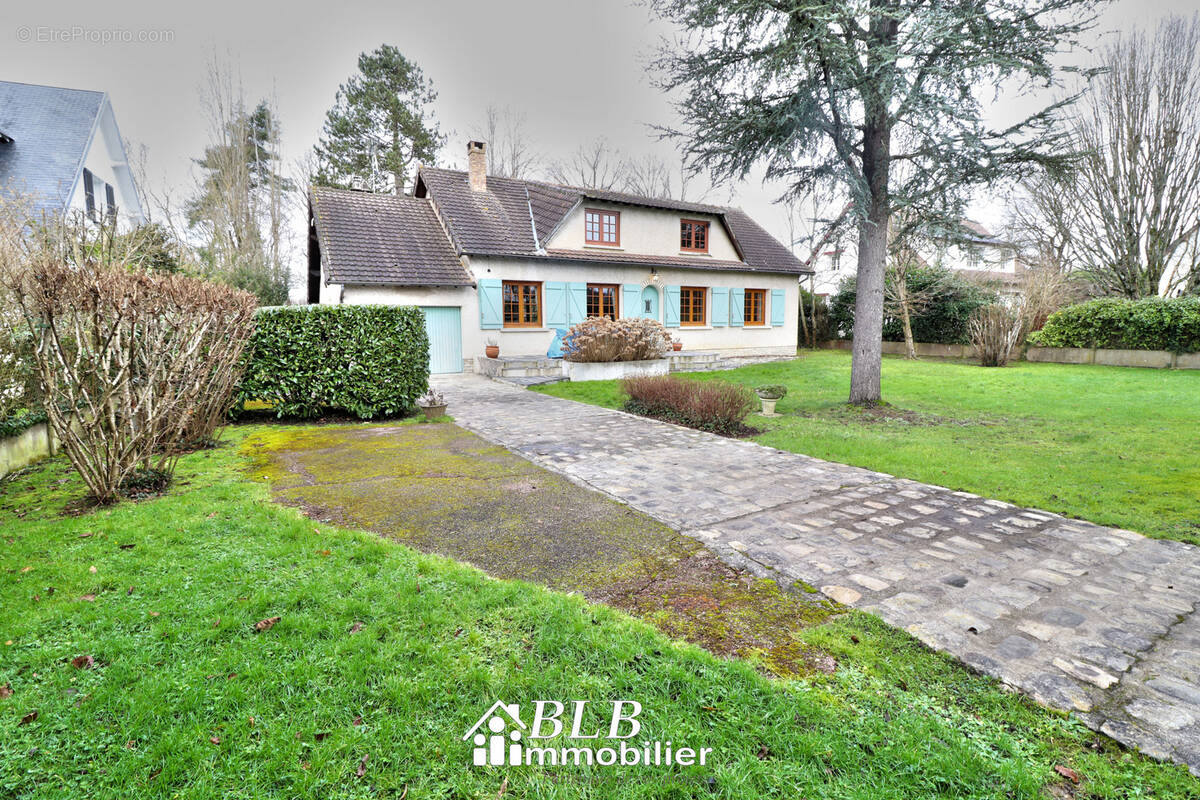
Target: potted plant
pixel 433 403
pixel 770 394
pixel 676 345
pixel 492 348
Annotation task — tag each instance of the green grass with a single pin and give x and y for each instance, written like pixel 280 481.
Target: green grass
pixel 1113 445
pixel 186 701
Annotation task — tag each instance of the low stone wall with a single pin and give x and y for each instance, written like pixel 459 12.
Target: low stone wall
pixel 25 448
pixel 612 370
pixel 1152 359
pixel 922 348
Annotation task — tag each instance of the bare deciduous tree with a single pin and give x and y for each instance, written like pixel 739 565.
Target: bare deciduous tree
pixel 593 166
pixel 652 176
pixel 1129 216
pixel 133 365
pixel 242 201
pixel 509 151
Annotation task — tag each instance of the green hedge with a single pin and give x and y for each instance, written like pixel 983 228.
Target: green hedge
pixel 944 319
pixel 368 361
pixel 20 421
pixel 1120 324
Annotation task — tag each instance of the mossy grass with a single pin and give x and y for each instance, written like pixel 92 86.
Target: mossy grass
pixel 384 652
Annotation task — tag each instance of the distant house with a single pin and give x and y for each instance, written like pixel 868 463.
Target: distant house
pixel 61 149
pixel 514 260
pixel 975 252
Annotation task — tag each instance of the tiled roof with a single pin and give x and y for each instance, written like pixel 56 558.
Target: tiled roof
pixel 516 217
pixel 46 134
pixel 383 239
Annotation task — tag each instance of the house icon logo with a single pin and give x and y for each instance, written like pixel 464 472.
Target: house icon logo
pixel 498 746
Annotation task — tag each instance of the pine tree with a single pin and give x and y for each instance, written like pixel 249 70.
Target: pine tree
pixel 835 93
pixel 380 126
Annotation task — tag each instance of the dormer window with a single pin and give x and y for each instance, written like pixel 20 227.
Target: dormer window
pixel 693 236
pixel 602 227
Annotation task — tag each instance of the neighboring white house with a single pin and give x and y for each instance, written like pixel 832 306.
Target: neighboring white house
pixel 976 253
pixel 510 260
pixel 61 149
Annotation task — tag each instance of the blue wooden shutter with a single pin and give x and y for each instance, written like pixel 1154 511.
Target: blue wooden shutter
pixel 778 307
pixel 737 307
pixel 631 300
pixel 720 306
pixel 576 303
pixel 556 304
pixel 490 303
pixel 671 313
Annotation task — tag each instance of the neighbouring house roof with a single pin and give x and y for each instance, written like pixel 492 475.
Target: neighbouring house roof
pixel 370 238
pixel 46 134
pixel 517 217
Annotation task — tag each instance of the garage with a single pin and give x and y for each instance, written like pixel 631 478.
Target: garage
pixel 443 325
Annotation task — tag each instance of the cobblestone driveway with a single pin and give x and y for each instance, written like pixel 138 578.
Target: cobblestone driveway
pixel 1084 618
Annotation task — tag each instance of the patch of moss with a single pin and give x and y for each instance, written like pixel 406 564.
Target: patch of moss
pixel 440 489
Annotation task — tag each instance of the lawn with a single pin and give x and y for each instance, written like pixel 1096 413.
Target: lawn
pixel 131 668
pixel 1116 446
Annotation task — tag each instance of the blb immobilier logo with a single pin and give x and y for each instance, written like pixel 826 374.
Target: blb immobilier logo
pixel 502 737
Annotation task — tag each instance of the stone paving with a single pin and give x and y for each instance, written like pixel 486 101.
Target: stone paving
pixel 1084 618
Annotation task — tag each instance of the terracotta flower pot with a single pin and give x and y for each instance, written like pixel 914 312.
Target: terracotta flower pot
pixel 676 346
pixel 492 350
pixel 433 412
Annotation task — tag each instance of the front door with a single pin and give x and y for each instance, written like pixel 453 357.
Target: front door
pixel 443 326
pixel 649 307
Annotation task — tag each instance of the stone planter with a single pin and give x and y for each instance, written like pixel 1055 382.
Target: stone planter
pixel 768 403
pixel 433 412
pixel 614 370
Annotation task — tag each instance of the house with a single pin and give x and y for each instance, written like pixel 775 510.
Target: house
pixel 975 252
pixel 509 260
pixel 61 149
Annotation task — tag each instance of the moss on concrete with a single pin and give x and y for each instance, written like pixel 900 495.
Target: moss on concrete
pixel 440 489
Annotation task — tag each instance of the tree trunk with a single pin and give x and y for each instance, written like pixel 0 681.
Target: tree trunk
pixel 910 350
pixel 866 366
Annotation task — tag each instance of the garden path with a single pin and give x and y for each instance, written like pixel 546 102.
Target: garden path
pixel 1088 619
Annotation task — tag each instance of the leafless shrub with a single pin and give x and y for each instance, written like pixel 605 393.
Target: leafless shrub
pixel 1043 292
pixel 134 366
pixel 994 330
pixel 625 339
pixel 716 406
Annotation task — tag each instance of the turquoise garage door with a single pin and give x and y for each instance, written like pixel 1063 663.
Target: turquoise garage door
pixel 443 324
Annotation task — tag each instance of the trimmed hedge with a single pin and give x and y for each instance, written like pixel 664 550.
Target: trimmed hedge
pixel 943 321
pixel 368 361
pixel 1152 323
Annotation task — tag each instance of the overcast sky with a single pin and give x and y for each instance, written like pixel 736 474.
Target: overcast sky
pixel 575 69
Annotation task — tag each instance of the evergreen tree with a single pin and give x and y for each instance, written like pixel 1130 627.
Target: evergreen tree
pixel 835 93
pixel 379 127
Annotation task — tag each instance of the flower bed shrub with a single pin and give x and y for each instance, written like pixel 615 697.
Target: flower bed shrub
pixel 626 339
pixel 1121 324
pixel 714 406
pixel 368 361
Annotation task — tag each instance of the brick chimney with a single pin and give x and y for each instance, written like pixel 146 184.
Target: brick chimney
pixel 477 162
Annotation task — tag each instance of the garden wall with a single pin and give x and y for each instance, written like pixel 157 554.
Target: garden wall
pixel 26 447
pixel 1156 359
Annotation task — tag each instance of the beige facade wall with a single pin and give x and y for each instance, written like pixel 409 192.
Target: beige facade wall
pixel 536 341
pixel 649 231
